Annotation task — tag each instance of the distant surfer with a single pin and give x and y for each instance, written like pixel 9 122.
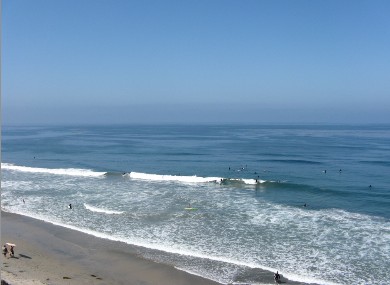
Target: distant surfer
pixel 325 171
pixel 304 205
pixel 70 206
pixel 24 202
pixel 369 186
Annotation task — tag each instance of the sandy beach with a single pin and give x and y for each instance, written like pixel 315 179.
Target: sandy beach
pixel 49 254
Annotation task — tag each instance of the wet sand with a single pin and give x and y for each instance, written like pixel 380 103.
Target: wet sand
pixel 50 254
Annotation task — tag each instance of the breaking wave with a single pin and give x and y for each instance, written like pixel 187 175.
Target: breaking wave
pixel 101 210
pixel 56 171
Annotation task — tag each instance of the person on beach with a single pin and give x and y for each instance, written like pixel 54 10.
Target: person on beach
pixel 277 277
pixel 12 254
pixel 5 250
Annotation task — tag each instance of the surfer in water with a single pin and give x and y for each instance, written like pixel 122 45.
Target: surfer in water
pixel 70 206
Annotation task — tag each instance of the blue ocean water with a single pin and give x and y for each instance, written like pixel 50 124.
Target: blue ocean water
pixel 310 201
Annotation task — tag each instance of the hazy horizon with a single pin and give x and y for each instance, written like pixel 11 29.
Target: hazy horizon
pixel 152 62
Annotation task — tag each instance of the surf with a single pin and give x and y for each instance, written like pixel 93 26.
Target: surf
pixel 102 210
pixel 192 179
pixel 174 178
pixel 55 171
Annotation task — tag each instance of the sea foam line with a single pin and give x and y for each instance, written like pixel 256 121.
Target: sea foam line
pixel 168 249
pixel 133 175
pixel 101 210
pixel 55 171
pixel 191 179
pixel 177 178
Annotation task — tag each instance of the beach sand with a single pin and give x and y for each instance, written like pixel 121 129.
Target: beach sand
pixel 50 254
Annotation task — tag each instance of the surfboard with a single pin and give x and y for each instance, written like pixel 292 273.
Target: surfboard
pixel 191 209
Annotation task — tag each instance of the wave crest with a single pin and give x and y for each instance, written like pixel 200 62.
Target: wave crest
pixel 56 171
pixel 192 179
pixel 101 210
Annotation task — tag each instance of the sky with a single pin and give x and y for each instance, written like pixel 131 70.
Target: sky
pixel 198 61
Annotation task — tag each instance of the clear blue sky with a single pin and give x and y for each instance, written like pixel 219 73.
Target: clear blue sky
pixel 104 61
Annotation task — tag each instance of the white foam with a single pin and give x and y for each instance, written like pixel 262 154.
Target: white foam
pixel 177 178
pixel 101 210
pixel 18 185
pixel 177 249
pixel 189 179
pixel 252 181
pixel 55 171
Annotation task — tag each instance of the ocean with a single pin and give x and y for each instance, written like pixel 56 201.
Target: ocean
pixel 311 201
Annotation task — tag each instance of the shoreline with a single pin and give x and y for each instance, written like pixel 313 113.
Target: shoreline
pixel 50 254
